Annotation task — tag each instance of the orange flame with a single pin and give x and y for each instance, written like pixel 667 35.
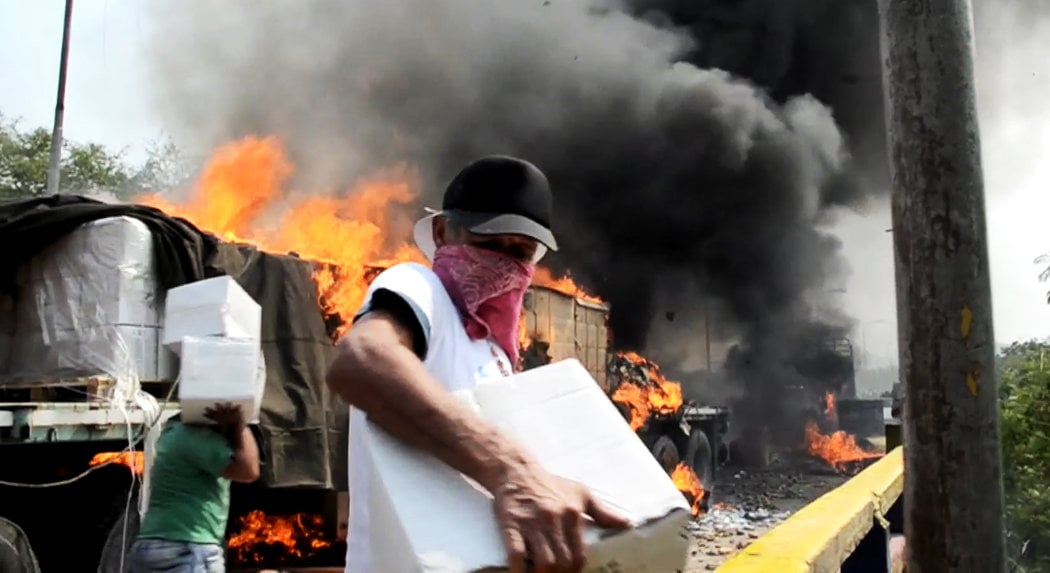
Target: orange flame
pixel 299 535
pixel 524 340
pixel 688 483
pixel 565 285
pixel 839 449
pixel 829 404
pixel 135 461
pixel 241 196
pixel 660 396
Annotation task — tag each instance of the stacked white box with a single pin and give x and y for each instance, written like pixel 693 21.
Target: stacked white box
pixel 88 305
pixel 219 370
pixel 212 327
pixel 212 307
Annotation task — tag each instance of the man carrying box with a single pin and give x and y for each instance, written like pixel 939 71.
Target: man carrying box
pixel 426 332
pixel 184 527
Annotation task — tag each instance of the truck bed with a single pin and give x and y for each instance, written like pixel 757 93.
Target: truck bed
pixel 22 422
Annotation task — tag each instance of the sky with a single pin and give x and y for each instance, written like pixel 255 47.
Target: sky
pixel 108 100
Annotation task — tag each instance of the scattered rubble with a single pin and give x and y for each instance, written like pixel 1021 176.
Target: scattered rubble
pixel 748 503
pixel 726 520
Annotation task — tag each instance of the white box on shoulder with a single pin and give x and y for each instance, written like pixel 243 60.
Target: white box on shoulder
pixel 559 413
pixel 217 370
pixel 212 307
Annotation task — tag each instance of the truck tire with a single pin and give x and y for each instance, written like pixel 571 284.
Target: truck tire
pixel 16 554
pixel 701 459
pixel 666 453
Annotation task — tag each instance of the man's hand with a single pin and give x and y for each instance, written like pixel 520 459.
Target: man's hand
pixel 541 517
pixel 227 415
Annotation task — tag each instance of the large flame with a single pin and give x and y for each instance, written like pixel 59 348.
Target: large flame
pixel 300 535
pixel 658 395
pixel 242 196
pixel 838 449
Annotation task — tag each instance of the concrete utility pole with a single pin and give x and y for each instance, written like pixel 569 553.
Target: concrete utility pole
pixel 60 106
pixel 953 497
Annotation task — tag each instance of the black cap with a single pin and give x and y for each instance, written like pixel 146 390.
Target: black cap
pixel 498 195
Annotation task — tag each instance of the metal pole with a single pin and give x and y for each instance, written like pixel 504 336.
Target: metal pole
pixel 953 496
pixel 707 333
pixel 60 106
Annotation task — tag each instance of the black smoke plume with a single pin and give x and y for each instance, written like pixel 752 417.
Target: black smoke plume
pixel 669 178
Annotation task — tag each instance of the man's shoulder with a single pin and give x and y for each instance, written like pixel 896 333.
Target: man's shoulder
pixel 407 277
pixel 408 271
pixel 178 431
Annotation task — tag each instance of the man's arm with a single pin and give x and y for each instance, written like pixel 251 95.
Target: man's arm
pixel 244 462
pixel 376 371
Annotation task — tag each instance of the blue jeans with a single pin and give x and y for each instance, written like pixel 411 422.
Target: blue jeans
pixel 156 555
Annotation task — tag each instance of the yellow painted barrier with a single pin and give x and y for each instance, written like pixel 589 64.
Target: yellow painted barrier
pixel 820 536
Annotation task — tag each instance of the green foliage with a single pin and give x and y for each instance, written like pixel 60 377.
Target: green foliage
pixel 165 168
pixel 85 168
pixel 1024 370
pixel 23 161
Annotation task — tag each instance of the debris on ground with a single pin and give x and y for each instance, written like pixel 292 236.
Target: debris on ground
pixel 749 503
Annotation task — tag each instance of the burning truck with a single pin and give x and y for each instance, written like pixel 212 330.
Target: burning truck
pixel 82 376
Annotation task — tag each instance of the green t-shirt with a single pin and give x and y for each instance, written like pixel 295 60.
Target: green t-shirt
pixel 189 500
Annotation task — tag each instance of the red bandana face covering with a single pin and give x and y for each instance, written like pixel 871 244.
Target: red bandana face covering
pixel 487 288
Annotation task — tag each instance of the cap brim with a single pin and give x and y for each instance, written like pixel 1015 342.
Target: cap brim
pixel 503 224
pixel 484 224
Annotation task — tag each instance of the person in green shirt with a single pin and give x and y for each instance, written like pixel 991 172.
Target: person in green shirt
pixel 184 527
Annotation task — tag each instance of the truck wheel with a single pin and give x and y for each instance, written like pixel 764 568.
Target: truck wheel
pixel 16 554
pixel 666 453
pixel 700 457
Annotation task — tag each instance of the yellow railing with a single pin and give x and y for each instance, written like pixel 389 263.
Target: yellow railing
pixel 820 536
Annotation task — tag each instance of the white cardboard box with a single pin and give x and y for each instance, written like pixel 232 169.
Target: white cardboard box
pixel 215 370
pixel 427 517
pixel 123 351
pixel 212 307
pixel 103 272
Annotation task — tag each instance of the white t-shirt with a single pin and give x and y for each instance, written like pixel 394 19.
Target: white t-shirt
pixel 454 360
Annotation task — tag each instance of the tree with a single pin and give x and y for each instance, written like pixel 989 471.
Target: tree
pixel 86 168
pixel 23 161
pixel 1024 370
pixel 166 167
